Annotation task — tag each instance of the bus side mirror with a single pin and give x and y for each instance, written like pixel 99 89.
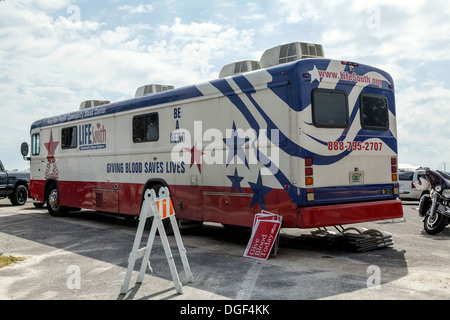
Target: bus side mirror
pixel 24 150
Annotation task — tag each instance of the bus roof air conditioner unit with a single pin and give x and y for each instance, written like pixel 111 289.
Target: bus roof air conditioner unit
pixel 239 67
pixel 93 103
pixel 291 52
pixel 152 88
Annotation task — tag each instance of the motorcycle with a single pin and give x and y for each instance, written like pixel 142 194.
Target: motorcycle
pixel 434 208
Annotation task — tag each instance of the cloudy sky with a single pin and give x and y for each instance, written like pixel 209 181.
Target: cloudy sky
pixel 56 53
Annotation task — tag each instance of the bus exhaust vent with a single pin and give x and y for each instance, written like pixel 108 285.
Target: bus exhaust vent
pixel 152 88
pixel 92 103
pixel 291 52
pixel 239 67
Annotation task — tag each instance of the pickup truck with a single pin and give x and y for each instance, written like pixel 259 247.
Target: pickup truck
pixel 14 185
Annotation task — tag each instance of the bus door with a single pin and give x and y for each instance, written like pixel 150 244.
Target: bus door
pixel 106 199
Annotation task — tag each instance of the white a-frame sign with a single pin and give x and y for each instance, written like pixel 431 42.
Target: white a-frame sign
pixel 159 208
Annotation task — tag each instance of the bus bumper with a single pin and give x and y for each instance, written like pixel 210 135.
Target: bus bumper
pixel 349 213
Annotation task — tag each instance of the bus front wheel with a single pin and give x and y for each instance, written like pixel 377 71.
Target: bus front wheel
pixel 53 206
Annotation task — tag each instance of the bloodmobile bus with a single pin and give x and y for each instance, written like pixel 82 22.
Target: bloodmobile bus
pixel 311 139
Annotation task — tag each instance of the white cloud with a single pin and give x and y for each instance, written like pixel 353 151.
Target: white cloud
pixel 423 123
pixel 47 5
pixel 254 11
pixel 143 8
pixel 198 44
pixel 301 10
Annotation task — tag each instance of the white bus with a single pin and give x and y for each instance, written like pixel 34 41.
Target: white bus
pixel 309 138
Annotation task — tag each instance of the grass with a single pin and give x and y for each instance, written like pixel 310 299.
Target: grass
pixel 7 260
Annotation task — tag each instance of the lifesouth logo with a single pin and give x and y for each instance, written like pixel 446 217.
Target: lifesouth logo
pixel 92 136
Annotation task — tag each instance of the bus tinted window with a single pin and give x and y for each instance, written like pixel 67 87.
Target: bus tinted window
pixel 146 127
pixel 69 138
pixel 330 108
pixel 374 112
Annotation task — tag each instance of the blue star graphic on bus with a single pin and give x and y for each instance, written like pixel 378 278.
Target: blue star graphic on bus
pixel 259 192
pixel 235 145
pixel 235 181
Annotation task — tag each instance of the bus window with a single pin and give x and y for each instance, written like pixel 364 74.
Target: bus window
pixel 35 144
pixel 374 112
pixel 330 108
pixel 146 127
pixel 69 138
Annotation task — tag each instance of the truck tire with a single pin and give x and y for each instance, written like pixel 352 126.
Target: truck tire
pixel 19 196
pixel 53 206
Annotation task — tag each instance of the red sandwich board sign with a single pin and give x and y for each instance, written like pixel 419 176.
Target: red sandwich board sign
pixel 266 227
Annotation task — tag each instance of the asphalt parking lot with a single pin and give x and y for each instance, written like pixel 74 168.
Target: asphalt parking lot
pixel 84 257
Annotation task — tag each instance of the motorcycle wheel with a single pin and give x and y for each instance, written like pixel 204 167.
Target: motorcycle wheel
pixel 436 224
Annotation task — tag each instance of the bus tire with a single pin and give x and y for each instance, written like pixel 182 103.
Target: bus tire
pixel 53 206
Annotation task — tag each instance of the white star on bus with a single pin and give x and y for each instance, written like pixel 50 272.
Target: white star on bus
pixel 314 74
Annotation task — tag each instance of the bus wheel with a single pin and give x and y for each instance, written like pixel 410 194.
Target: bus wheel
pixel 53 206
pixel 166 222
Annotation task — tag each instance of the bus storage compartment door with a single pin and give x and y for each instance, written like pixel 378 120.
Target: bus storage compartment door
pixel 106 200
